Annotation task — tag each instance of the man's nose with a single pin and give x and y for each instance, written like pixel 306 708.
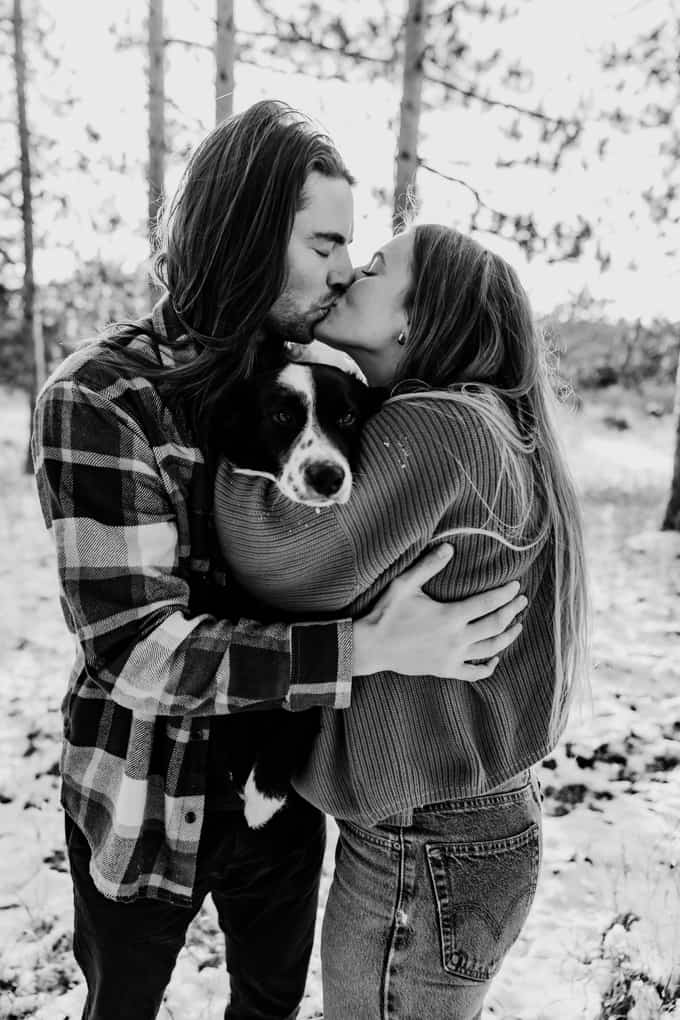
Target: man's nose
pixel 341 273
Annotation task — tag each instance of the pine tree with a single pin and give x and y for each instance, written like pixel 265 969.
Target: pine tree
pixel 32 335
pixel 406 165
pixel 224 59
pixel 156 166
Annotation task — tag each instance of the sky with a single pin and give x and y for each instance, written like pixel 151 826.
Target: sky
pixel 559 40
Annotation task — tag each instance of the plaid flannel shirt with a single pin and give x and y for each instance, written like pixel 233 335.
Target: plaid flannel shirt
pixel 126 494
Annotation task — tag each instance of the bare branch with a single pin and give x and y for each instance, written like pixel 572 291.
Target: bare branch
pixel 295 38
pixel 287 31
pixel 297 69
pixel 521 228
pixel 189 44
pixel 481 204
pixel 470 93
pixel 195 123
pixel 535 160
pixel 128 42
pixel 483 10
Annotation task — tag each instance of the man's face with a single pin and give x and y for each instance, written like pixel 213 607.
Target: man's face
pixel 319 267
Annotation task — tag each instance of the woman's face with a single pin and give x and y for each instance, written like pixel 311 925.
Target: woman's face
pixel 369 317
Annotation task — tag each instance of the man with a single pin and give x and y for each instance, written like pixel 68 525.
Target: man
pixel 255 251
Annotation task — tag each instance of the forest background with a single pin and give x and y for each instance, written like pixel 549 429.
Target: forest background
pixel 550 129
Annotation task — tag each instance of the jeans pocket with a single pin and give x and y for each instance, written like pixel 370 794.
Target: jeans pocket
pixel 483 893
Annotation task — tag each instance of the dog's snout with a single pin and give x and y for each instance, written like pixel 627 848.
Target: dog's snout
pixel 325 478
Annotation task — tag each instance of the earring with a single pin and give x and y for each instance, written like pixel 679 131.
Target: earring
pixel 401 339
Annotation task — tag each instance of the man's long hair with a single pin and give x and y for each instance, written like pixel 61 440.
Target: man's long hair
pixel 222 244
pixel 472 337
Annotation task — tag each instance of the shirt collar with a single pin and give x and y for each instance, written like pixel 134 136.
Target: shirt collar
pixel 173 345
pixel 165 321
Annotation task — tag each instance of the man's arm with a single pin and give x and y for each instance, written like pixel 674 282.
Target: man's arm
pixel 409 633
pixel 109 509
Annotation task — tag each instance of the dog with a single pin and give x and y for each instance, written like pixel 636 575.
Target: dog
pixel 298 424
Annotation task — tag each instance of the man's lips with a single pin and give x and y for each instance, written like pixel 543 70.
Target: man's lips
pixel 325 309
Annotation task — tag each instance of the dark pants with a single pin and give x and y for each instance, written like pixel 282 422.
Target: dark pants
pixel 264 884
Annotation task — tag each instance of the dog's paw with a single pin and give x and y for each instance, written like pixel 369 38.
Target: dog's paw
pixel 258 808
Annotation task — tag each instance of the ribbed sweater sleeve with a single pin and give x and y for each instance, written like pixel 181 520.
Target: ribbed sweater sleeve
pixel 413 469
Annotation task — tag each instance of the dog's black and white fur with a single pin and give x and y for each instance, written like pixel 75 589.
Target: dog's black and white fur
pixel 298 424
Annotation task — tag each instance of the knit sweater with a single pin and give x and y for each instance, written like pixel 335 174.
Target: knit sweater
pixel 425 465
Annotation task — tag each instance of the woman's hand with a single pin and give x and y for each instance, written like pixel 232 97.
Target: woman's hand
pixel 407 632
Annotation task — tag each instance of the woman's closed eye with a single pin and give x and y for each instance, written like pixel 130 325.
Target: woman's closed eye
pixel 372 267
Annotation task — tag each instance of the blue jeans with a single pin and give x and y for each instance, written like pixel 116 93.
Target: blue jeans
pixel 420 916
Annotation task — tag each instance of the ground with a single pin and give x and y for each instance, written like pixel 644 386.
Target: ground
pixel 603 938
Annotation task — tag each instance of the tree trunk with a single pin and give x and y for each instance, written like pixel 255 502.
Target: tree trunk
pixel 224 59
pixel 409 116
pixel 671 520
pixel 156 170
pixel 30 337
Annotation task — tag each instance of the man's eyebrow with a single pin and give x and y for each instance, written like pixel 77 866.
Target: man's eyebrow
pixel 333 238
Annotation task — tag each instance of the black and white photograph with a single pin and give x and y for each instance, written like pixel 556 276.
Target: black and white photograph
pixel 340 504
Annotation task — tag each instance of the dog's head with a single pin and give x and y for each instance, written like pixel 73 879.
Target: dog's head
pixel 301 425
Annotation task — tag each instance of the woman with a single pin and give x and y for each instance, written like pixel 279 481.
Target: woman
pixel 431 784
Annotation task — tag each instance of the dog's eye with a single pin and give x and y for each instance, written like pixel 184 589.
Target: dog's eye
pixel 347 420
pixel 282 417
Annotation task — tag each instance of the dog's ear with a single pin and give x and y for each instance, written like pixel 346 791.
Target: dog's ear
pixel 232 419
pixel 373 399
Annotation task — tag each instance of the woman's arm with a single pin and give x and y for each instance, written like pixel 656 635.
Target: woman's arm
pixel 312 563
pixel 410 474
pixel 420 463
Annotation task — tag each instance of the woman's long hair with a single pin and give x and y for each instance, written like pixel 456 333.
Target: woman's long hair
pixel 222 244
pixel 472 337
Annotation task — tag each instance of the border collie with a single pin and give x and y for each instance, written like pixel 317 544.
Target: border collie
pixel 298 424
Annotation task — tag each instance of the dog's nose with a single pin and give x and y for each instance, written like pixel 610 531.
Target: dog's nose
pixel 326 478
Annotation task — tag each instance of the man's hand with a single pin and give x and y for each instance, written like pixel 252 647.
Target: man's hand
pixel 407 632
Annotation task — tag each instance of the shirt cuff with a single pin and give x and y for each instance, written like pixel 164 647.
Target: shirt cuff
pixel 320 666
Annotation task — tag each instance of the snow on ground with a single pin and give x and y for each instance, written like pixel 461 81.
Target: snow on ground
pixel 604 935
